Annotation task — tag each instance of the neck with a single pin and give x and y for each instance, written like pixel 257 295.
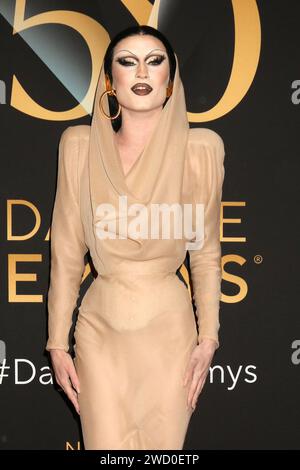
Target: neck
pixel 137 126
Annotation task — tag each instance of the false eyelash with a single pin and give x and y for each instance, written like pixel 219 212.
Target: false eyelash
pixel 125 62
pixel 157 60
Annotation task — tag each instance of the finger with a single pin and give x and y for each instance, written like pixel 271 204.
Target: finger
pixel 199 389
pixel 197 393
pixel 60 384
pixel 188 374
pixel 74 379
pixel 75 401
pixel 72 395
pixel 193 387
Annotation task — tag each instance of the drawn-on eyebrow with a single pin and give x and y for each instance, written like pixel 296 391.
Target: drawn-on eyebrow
pixel 149 53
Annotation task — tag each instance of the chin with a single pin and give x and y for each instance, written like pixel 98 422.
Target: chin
pixel 147 106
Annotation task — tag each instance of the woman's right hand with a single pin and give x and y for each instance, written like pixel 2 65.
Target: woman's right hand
pixel 66 375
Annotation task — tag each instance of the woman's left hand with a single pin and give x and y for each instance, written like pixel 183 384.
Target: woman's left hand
pixel 198 368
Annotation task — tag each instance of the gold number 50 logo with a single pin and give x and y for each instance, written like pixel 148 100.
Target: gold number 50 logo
pixel 245 61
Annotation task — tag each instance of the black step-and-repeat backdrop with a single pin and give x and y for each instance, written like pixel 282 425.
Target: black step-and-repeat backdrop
pixel 239 63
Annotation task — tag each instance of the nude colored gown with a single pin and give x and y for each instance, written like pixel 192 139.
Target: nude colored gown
pixel 136 327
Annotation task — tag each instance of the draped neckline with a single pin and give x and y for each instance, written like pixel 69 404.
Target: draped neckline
pixel 160 163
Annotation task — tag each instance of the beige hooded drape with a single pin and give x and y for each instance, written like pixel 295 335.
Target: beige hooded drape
pixel 178 165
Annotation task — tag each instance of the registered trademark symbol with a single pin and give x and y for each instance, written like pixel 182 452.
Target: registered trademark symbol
pixel 258 259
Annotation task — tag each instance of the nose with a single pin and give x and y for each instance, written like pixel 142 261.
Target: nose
pixel 142 71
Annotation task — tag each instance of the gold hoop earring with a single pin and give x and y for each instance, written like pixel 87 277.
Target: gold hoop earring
pixel 109 92
pixel 169 89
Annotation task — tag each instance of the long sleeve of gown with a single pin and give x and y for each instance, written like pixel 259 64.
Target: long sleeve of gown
pixel 207 160
pixel 67 244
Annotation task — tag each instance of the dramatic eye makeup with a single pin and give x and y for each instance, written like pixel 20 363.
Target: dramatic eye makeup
pixel 128 61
